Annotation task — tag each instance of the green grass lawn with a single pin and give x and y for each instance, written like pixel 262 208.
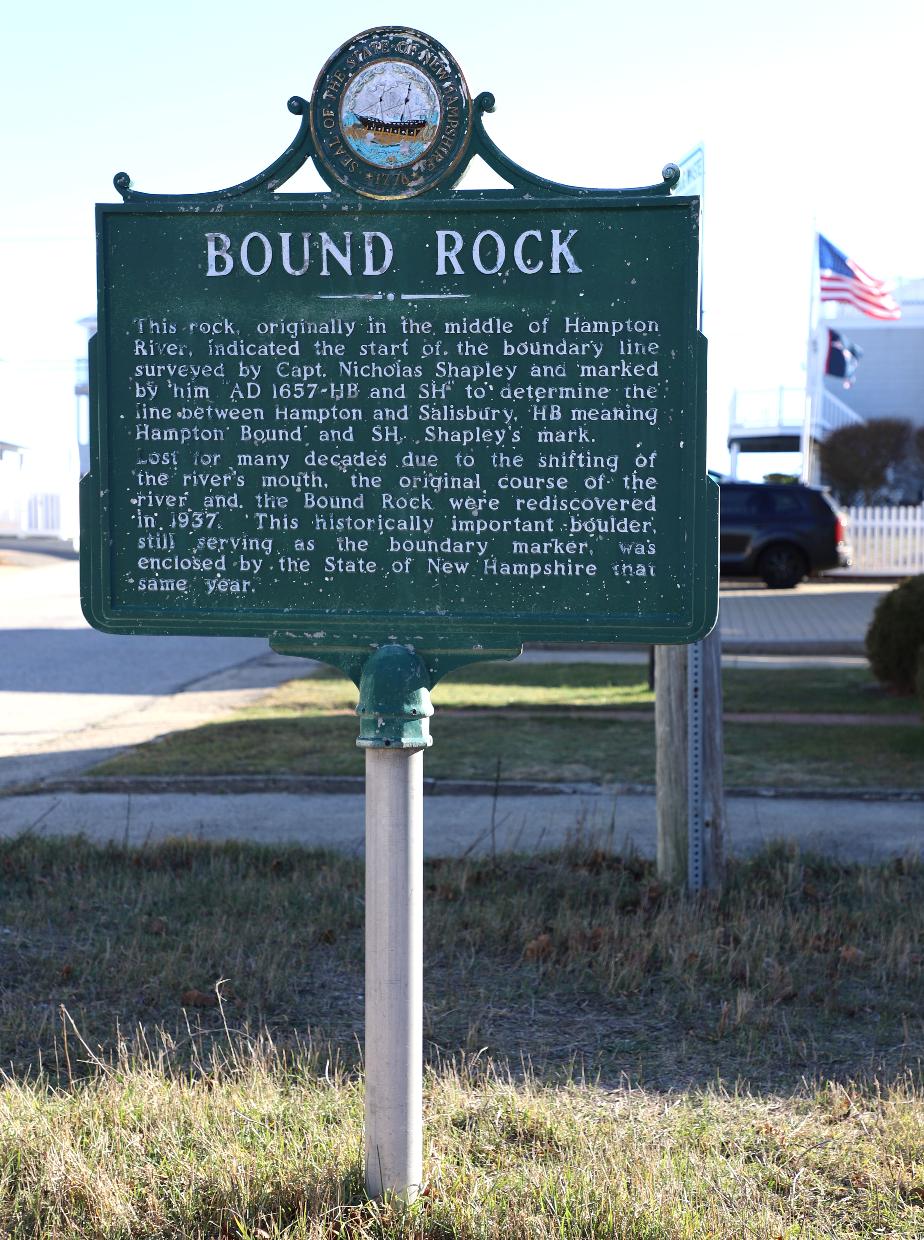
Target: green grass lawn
pixel 605 1059
pixel 610 686
pixel 624 687
pixel 307 726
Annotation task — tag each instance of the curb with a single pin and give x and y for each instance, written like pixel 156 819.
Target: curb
pixel 821 649
pixel 730 646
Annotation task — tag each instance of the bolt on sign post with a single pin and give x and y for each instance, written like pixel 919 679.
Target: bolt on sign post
pixel 399 427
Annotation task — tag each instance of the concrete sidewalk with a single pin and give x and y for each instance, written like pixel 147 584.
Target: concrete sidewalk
pixel 846 828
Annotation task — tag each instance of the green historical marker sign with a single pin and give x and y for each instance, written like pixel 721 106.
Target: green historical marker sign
pixel 397 411
pixel 399 427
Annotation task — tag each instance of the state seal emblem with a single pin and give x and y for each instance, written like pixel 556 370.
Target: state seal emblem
pixel 390 114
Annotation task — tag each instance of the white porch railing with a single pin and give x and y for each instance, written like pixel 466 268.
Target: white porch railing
pixel 829 413
pixel 43 514
pixel 888 540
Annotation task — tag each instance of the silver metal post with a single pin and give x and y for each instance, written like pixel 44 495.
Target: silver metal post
pixel 394 971
pixel 695 823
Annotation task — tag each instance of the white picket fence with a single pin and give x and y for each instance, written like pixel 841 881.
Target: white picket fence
pixel 887 540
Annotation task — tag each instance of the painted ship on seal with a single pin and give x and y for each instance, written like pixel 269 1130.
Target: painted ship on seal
pixel 390 113
pixel 397 131
pixel 388 127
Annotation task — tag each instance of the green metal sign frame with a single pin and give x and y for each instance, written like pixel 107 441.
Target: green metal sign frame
pixel 582 256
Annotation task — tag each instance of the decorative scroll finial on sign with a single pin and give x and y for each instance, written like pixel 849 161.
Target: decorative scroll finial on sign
pixel 391 118
pixel 279 171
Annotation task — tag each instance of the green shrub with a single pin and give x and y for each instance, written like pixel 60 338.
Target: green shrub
pixel 919 679
pixel 895 637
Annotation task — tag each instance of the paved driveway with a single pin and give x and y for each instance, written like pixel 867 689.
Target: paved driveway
pixel 70 695
pixel 824 617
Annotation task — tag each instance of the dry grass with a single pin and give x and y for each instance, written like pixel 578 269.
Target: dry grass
pixel 804 967
pixel 605 1059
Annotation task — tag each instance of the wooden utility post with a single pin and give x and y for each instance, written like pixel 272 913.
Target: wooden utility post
pixel 673 774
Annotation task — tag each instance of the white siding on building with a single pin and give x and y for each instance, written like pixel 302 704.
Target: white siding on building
pixel 889 381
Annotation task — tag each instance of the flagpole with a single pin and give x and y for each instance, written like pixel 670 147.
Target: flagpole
pixel 813 369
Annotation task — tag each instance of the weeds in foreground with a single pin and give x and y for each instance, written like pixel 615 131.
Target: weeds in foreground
pixel 263 1144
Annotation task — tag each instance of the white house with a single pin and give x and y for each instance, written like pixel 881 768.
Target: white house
pixel 889 383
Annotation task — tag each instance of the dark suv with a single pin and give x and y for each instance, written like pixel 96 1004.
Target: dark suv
pixel 779 532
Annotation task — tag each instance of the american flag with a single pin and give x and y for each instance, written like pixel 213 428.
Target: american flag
pixel 844 280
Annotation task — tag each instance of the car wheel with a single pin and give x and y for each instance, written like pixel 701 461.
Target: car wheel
pixel 782 566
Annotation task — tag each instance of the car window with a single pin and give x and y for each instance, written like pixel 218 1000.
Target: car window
pixel 740 502
pixel 760 504
pixel 787 503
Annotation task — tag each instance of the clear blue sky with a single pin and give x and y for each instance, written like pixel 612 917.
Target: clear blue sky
pixel 809 112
